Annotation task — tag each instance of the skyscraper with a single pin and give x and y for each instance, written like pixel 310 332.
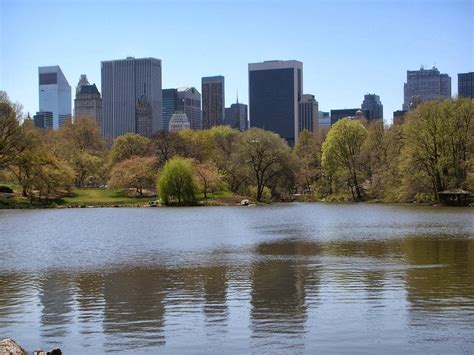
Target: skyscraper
pixel 275 90
pixel 427 84
pixel 213 101
pixel 373 107
pixel 54 94
pixel 189 102
pixel 170 105
pixel 236 116
pixel 43 119
pixel 466 85
pixel 308 114
pixel 178 122
pixel 129 86
pixel 88 102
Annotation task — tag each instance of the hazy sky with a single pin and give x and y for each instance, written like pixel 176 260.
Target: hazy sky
pixel 348 48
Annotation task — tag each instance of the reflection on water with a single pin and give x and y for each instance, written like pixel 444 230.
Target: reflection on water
pixel 271 290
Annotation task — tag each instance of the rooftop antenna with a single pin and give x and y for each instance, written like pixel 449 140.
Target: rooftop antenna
pixel 237 95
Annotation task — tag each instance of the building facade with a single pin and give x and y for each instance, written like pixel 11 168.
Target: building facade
pixel 324 119
pixel 399 117
pixel 189 102
pixel 54 94
pixel 236 116
pixel 126 85
pixel 352 113
pixel 373 107
pixel 88 102
pixel 275 90
pixel 213 101
pixel 170 106
pixel 43 119
pixel 466 85
pixel 308 114
pixel 178 122
pixel 427 84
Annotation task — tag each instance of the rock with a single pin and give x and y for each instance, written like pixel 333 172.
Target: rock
pixel 244 202
pixel 10 347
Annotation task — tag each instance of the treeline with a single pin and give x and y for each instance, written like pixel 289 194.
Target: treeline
pixel 430 152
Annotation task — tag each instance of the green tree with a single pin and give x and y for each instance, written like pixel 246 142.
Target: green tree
pixel 36 167
pixel 263 155
pixel 307 152
pixel 341 153
pixel 207 175
pixel 9 131
pixel 136 172
pixel 165 145
pixel 81 145
pixel 175 182
pixel 127 146
pixel 438 145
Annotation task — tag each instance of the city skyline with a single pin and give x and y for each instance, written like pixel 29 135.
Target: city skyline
pixel 335 71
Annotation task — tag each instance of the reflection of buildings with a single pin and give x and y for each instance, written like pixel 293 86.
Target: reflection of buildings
pixel 279 292
pixel 57 298
pixel 134 306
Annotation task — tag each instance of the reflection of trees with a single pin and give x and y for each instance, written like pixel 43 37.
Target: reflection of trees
pixel 14 290
pixel 90 300
pixel 279 286
pixel 57 297
pixel 446 265
pixel 134 306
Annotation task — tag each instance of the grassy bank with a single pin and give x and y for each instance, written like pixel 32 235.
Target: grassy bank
pixel 82 197
pixel 97 197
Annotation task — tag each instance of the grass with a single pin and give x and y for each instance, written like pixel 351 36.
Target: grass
pixel 81 197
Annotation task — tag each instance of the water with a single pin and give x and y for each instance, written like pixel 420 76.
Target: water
pixel 291 278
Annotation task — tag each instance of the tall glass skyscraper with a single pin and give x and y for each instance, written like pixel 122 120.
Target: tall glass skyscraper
pixel 170 106
pixel 466 85
pixel 54 94
pixel 128 86
pixel 275 90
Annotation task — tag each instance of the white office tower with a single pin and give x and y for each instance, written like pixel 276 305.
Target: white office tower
pixel 54 94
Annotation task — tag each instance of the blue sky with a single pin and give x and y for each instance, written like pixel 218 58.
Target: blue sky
pixel 348 47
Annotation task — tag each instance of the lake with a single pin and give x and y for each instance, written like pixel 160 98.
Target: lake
pixel 287 278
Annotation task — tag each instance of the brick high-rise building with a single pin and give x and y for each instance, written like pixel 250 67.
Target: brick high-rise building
pixel 88 102
pixel 213 101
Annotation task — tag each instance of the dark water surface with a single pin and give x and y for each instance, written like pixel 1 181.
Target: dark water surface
pixel 297 278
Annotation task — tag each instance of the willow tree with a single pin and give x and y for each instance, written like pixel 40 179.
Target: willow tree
pixel 341 153
pixel 176 183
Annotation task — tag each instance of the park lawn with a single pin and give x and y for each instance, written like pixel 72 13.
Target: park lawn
pixel 102 197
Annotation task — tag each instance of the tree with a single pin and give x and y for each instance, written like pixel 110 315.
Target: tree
pixel 166 145
pixel 80 143
pixel 208 176
pixel 341 153
pixel 9 131
pixel 136 172
pixel 36 167
pixel 439 144
pixel 199 144
pixel 263 154
pixel 176 182
pixel 307 152
pixel 127 146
